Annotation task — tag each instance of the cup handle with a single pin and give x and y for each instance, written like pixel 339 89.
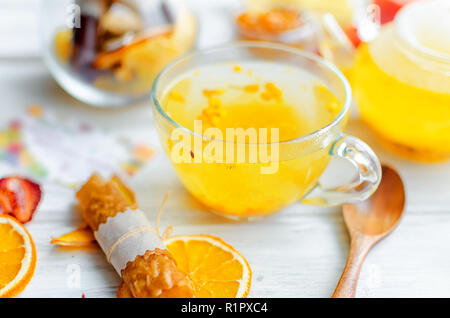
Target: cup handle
pixel 369 174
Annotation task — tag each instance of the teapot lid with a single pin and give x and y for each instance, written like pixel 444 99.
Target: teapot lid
pixel 425 27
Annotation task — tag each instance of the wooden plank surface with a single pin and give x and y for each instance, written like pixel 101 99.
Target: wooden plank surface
pixel 299 252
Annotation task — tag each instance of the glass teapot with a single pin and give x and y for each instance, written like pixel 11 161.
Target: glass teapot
pixel 401 82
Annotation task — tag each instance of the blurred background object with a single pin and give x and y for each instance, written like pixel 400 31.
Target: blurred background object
pixel 107 52
pixel 134 39
pixel 315 26
pixel 278 24
pixel 401 82
pixel 389 8
pixel 342 10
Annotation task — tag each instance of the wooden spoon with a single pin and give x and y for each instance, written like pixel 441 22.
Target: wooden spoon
pixel 368 222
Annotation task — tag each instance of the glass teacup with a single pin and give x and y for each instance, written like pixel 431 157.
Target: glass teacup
pixel 251 127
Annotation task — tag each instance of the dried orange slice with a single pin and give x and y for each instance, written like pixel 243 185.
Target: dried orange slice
pixel 17 257
pixel 216 268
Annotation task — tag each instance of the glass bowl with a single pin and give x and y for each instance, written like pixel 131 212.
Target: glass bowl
pixel 107 53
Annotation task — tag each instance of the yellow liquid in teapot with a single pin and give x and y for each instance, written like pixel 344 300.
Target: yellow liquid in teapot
pixel 403 100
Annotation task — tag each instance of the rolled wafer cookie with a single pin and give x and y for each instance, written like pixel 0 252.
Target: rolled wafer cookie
pixel 110 209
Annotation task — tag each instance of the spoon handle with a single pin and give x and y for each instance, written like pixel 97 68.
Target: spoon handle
pixel 346 288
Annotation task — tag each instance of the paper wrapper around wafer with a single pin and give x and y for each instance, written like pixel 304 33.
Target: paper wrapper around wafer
pixel 125 236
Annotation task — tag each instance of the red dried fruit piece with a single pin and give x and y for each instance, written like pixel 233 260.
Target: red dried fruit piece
pixel 7 201
pixel 352 34
pixel 389 8
pixel 20 197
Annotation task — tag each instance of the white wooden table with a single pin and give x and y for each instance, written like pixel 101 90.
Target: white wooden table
pixel 299 252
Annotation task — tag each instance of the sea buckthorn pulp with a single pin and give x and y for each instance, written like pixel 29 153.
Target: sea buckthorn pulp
pixel 402 85
pixel 342 10
pixel 257 95
pixel 282 25
pixel 274 21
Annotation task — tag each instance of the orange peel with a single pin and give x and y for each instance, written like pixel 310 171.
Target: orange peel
pixel 81 237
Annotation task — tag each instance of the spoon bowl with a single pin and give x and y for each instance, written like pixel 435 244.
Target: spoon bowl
pixel 379 214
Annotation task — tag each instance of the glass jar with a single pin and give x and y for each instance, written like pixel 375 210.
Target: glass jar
pixel 401 82
pixel 106 53
pixel 342 10
pixel 278 24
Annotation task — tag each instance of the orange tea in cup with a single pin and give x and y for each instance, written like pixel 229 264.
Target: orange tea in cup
pixel 251 127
